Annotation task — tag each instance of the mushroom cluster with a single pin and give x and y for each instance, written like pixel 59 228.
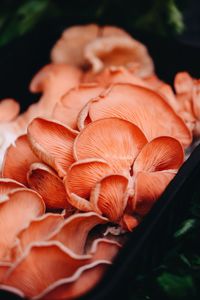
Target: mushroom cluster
pixel 83 166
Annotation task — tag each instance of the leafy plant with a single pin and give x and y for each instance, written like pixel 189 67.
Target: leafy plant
pixel 163 17
pixel 178 276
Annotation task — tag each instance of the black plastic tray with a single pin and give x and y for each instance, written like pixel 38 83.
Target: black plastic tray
pixel 146 246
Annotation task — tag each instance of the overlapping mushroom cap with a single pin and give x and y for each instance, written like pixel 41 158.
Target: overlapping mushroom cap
pixel 140 106
pixel 97 151
pixel 100 47
pixel 43 255
pixel 53 81
pixel 188 98
pixel 109 167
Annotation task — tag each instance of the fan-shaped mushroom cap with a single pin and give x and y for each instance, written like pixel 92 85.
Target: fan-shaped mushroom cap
pixel 100 47
pixel 16 211
pixel 142 107
pixel 53 143
pixel 17 160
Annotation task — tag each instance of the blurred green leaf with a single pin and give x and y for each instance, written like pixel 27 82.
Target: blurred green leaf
pixel 161 17
pixel 175 286
pixel 185 260
pixel 186 226
pixel 175 17
pixel 22 20
pixel 164 17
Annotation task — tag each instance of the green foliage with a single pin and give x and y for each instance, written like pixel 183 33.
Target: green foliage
pixel 26 16
pixel 185 227
pixel 174 16
pixel 179 275
pixel 177 287
pixel 161 17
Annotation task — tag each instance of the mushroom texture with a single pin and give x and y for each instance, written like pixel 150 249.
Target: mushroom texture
pixel 84 165
pixel 98 169
pixel 188 98
pixel 97 47
pixel 52 81
pixel 43 255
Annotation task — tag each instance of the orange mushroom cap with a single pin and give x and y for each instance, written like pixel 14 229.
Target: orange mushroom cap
pixel 100 47
pixel 142 107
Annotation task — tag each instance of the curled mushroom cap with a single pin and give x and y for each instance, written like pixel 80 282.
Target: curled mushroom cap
pixel 115 74
pixel 113 157
pixel 18 159
pixel 53 81
pixel 83 175
pixel 73 232
pixel 110 195
pixel 52 256
pixel 143 107
pixel 119 51
pixel 47 183
pixel 41 265
pixel 148 188
pixel 115 140
pixel 53 143
pixel 82 281
pixel 68 108
pixel 99 180
pixel 188 96
pixel 100 47
pixel 155 166
pixel 39 229
pixel 70 47
pixel 103 252
pixel 7 185
pixel 16 211
pixel 55 78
